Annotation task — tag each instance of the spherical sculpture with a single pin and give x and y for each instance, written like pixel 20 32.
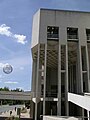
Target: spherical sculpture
pixel 7 69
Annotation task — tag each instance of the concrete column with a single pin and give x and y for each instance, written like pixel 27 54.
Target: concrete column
pixel 39 79
pixel 33 89
pixel 37 76
pixel 66 83
pixel 80 78
pixel 88 115
pixel 34 78
pixel 72 78
pixel 31 109
pixel 70 81
pixel 59 81
pixel 77 86
pixel 36 111
pixel 87 60
pixel 82 113
pixel 45 66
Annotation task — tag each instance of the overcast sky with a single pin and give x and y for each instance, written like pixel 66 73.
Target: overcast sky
pixel 15 36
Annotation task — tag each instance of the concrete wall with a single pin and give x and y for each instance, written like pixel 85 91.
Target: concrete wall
pixel 61 19
pixel 35 29
pixel 64 19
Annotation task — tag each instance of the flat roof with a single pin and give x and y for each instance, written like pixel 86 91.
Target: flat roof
pixel 65 10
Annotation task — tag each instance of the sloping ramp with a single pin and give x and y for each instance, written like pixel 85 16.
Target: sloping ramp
pixel 80 100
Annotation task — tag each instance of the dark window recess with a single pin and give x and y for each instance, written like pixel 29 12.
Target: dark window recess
pixel 88 34
pixel 72 33
pixel 63 88
pixel 53 90
pixel 84 87
pixel 42 87
pixel 52 32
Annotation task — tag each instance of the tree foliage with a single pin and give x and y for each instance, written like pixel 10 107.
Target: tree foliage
pixel 4 89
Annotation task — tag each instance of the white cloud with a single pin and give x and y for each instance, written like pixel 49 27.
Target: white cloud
pixel 20 38
pixel 11 82
pixel 5 30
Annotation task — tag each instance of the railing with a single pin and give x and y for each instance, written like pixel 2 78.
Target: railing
pixel 54 36
pixel 72 37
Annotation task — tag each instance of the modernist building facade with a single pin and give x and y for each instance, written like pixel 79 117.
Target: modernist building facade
pixel 61 61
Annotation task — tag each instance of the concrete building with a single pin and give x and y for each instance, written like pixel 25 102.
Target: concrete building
pixel 61 61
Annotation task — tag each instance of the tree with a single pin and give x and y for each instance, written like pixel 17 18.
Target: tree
pixel 18 90
pixel 6 89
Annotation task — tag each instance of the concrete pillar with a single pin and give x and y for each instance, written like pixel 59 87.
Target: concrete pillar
pixel 77 80
pixel 45 66
pixel 31 109
pixel 88 115
pixel 82 113
pixel 37 76
pixel 66 83
pixel 59 81
pixel 36 111
pixel 87 60
pixel 72 78
pixel 80 78
pixel 33 88
pixel 34 78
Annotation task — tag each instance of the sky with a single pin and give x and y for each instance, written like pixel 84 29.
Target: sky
pixel 16 34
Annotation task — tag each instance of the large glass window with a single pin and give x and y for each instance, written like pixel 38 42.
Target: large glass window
pixel 52 32
pixel 88 34
pixel 72 33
